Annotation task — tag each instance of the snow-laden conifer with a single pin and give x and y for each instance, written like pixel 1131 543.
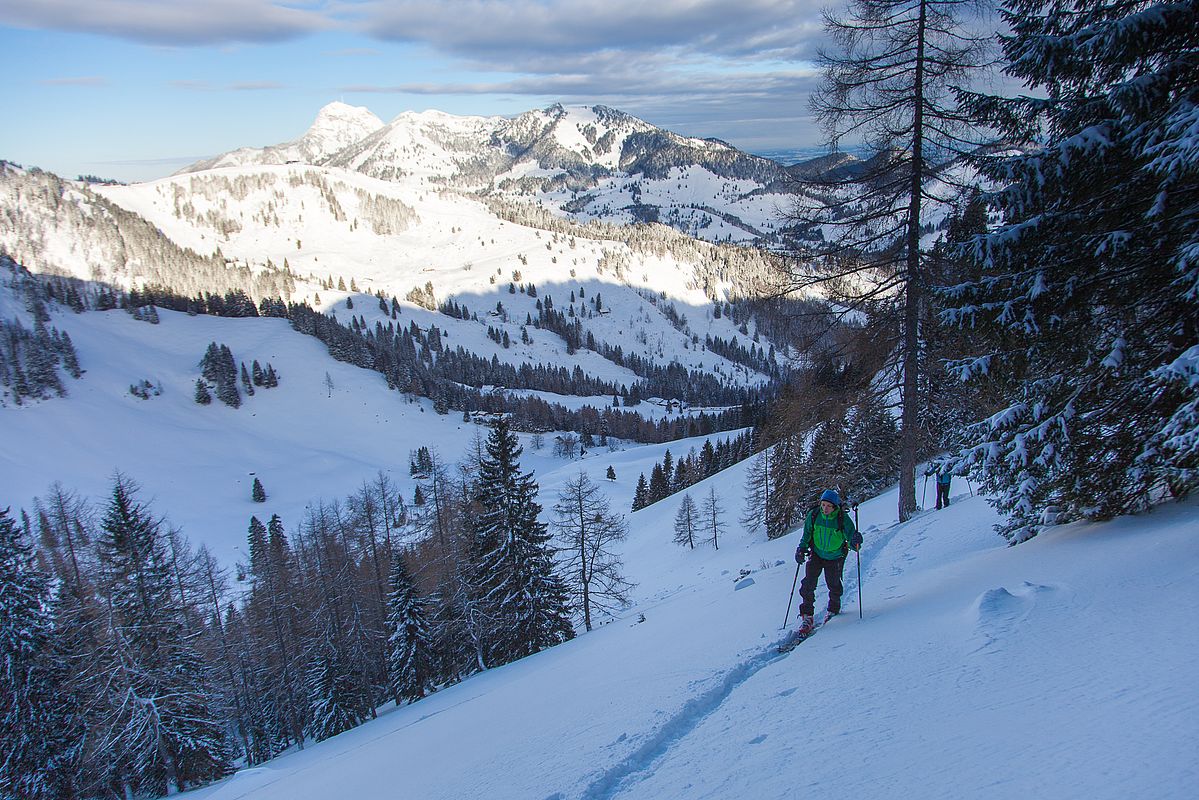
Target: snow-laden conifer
pixel 523 597
pixel 411 658
pixel 33 707
pixel 162 698
pixel 1088 288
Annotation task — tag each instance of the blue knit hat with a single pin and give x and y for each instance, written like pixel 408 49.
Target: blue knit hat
pixel 831 496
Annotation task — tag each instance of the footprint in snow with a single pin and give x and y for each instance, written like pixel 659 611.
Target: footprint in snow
pixel 758 739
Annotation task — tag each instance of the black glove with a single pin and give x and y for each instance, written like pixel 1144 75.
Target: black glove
pixel 800 555
pixel 855 541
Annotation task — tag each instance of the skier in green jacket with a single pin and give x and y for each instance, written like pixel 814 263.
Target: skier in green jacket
pixel 828 536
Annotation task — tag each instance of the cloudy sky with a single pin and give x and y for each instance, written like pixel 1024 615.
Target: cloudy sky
pixel 134 89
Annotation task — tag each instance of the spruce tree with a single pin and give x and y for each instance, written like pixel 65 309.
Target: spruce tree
pixel 333 695
pixel 33 709
pixel 411 658
pixel 257 493
pixel 641 493
pixel 164 730
pixel 279 629
pixel 203 396
pixel 1087 292
pixel 659 487
pixel 246 383
pixel 257 543
pixel 523 595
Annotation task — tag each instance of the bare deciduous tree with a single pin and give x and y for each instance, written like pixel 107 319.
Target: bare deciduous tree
pixel 586 530
pixel 713 516
pixel 891 82
pixel 686 522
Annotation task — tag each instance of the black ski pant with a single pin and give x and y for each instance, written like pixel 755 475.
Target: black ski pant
pixel 832 569
pixel 942 495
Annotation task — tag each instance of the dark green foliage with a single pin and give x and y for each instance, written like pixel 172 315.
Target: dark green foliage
pixel 34 711
pixel 246 383
pixel 257 493
pixel 219 369
pixel 670 476
pixel 659 487
pixel 521 593
pixel 412 658
pixel 165 723
pixel 334 699
pixel 29 360
pixel 641 493
pixel 203 397
pixel 1087 290
pixel 257 544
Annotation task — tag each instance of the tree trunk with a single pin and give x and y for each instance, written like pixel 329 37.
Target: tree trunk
pixel 909 434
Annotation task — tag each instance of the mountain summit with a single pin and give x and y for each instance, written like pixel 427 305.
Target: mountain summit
pixel 337 125
pixel 587 163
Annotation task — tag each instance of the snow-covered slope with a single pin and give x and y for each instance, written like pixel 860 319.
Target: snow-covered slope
pixel 304 442
pixel 281 230
pixel 1048 670
pixel 197 463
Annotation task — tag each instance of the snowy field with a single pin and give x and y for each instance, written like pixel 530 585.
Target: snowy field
pixel 1061 668
pixel 304 440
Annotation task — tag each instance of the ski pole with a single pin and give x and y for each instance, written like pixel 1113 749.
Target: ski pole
pixel 859 553
pixel 792 597
pixel 970 487
pixel 924 496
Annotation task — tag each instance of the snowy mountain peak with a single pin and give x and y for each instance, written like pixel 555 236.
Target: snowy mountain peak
pixel 337 126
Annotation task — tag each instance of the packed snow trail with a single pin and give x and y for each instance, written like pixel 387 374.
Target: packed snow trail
pixel 616 779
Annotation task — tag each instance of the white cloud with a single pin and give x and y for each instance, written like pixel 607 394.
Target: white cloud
pixel 88 80
pixel 485 29
pixel 172 22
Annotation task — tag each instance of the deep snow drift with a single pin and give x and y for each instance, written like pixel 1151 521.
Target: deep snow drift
pixel 1059 668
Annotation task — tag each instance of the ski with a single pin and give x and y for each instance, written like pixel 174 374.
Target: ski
pixel 796 638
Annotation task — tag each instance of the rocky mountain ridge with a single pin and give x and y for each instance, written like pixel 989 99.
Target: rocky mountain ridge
pixel 590 163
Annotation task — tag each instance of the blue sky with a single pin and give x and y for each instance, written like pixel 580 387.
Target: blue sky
pixel 135 89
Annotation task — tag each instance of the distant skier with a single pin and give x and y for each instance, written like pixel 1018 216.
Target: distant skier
pixel 828 536
pixel 943 479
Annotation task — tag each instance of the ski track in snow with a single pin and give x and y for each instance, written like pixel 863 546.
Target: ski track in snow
pixel 615 780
